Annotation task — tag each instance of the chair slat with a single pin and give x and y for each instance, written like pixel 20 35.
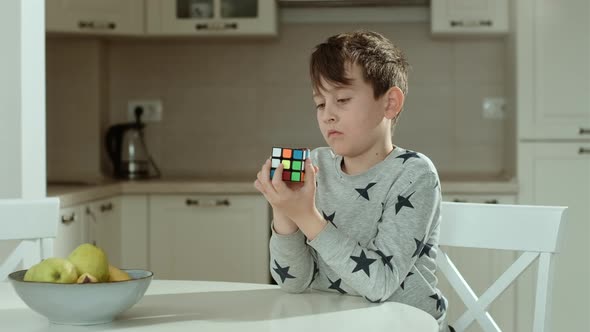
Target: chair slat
pixel 28 219
pixel 501 226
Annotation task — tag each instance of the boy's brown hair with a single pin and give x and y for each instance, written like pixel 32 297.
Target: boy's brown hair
pixel 384 65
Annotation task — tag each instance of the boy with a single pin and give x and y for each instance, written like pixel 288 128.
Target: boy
pixel 366 220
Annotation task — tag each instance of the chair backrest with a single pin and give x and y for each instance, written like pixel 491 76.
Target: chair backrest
pixel 533 230
pixel 34 222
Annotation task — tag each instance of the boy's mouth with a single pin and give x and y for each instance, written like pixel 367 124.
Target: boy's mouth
pixel 333 133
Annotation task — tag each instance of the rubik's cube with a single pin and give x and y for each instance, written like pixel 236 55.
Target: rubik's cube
pixel 293 161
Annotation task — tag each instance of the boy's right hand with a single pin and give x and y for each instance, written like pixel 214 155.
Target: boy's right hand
pixel 281 223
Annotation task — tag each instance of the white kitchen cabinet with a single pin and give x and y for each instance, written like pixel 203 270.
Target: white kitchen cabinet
pixel 481 267
pixel 553 69
pixel 103 225
pixel 559 174
pixel 209 237
pixel 469 17
pixel 70 231
pixel 119 226
pixel 212 17
pixel 116 17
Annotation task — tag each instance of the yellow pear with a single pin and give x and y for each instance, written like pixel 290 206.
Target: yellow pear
pixel 56 270
pixel 86 278
pixel 92 260
pixel 116 274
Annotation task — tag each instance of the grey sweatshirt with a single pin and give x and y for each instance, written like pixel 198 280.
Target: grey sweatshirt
pixel 381 239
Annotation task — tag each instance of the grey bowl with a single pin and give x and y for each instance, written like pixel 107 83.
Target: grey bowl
pixel 82 304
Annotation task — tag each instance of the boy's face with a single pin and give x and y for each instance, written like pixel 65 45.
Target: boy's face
pixel 351 120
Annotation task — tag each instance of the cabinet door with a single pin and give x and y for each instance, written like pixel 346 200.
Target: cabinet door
pixel 95 16
pixel 134 231
pixel 559 174
pixel 481 17
pixel 490 265
pixel 218 238
pixel 70 231
pixel 553 69
pixel 103 219
pixel 212 17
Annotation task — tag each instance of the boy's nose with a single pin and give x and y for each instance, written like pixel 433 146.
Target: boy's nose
pixel 328 115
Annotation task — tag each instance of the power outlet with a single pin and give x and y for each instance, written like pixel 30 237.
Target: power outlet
pixel 152 110
pixel 494 108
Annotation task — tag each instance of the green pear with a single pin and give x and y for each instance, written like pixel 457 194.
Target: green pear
pixel 56 270
pixel 92 260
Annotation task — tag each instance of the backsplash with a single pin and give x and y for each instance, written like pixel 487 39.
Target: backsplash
pixel 227 102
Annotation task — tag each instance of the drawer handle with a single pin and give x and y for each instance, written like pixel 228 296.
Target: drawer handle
pixel 456 200
pixel 584 151
pixel 190 202
pixel 216 26
pixel 217 202
pixel 68 220
pixel 97 25
pixel 471 23
pixel 106 207
pixel 584 131
pixel 491 201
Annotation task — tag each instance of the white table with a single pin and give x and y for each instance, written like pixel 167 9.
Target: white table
pixel 170 306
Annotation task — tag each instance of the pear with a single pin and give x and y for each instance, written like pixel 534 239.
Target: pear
pixel 86 278
pixel 92 260
pixel 116 274
pixel 56 270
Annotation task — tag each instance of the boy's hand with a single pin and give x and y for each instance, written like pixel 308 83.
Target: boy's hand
pixel 281 223
pixel 293 199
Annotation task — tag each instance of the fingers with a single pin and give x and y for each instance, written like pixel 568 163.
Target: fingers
pixel 277 180
pixel 310 174
pixel 263 178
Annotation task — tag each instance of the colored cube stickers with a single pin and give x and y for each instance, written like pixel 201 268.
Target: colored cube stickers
pixel 293 161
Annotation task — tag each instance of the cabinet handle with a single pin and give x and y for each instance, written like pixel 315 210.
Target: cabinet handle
pixel 106 207
pixel 222 202
pixel 584 131
pixel 68 220
pixel 456 200
pixel 190 202
pixel 216 26
pixel 471 23
pixel 491 201
pixel 97 25
pixel 217 202
pixel 584 151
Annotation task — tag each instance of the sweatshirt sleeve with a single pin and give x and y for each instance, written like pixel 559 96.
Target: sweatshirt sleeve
pixel 292 265
pixel 377 270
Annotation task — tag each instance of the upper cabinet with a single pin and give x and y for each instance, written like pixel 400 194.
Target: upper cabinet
pixel 105 17
pixel 212 17
pixel 469 17
pixel 553 69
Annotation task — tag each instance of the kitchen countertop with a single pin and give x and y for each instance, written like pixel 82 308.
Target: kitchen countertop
pixel 72 193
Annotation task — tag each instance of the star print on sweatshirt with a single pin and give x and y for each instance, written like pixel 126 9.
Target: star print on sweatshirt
pixel 385 244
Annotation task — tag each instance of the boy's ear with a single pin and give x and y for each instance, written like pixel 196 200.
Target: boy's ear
pixel 394 102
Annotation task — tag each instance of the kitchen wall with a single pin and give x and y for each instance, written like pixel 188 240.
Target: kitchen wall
pixel 227 102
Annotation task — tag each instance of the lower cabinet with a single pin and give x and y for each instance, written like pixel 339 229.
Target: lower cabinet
pixel 209 237
pixel 480 268
pixel 70 231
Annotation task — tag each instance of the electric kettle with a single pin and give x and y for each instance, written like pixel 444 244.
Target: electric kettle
pixel 128 152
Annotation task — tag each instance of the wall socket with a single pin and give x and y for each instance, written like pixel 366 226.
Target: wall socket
pixel 152 110
pixel 494 108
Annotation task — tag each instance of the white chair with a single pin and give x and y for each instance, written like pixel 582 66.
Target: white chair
pixel 533 230
pixel 34 222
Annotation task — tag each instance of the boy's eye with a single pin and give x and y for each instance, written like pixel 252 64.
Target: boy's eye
pixel 319 106
pixel 343 100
